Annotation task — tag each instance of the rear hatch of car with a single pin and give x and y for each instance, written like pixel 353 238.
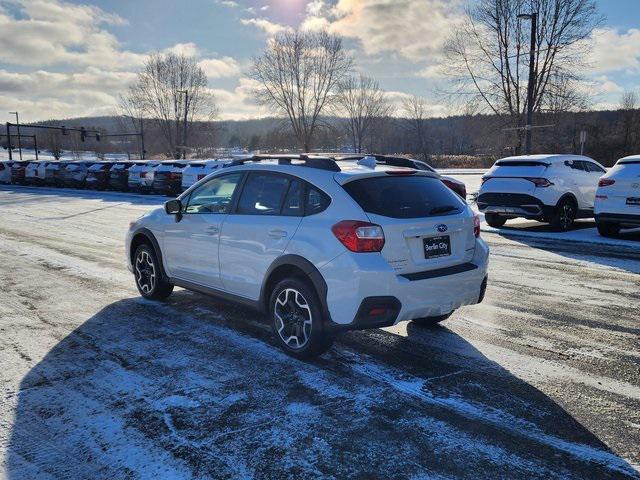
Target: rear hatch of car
pixel 513 176
pixel 624 194
pixel 426 225
pixel 168 175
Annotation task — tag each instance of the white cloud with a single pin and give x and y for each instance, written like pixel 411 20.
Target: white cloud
pixel 228 3
pixel 267 26
pixel 220 67
pixel 615 51
pixel 238 104
pixel 188 49
pixel 414 30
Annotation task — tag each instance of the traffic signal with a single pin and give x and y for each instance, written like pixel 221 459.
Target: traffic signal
pixel 83 134
pixel 97 136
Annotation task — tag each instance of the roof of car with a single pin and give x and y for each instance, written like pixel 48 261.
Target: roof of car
pixel 629 159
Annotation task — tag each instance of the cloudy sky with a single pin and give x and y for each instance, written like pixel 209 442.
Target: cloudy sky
pixel 61 59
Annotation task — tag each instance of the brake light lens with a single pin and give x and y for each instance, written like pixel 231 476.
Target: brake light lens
pixel 606 182
pixel 359 237
pixel 401 171
pixel 143 174
pixel 476 226
pixel 458 188
pixel 539 182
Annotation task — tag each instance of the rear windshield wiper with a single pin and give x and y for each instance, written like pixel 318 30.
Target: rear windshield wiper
pixel 442 209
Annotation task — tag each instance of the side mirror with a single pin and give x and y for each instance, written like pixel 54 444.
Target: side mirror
pixel 173 207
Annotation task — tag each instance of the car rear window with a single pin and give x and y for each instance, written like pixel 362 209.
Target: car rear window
pixel 629 162
pixel 404 196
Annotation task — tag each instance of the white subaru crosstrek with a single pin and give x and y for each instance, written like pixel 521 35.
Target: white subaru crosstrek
pixel 322 246
pixel 555 189
pixel 618 197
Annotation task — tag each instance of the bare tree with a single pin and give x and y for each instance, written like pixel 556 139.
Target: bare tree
pixel 487 57
pixel 362 101
pixel 297 77
pixel 630 120
pixel 414 109
pixel 172 90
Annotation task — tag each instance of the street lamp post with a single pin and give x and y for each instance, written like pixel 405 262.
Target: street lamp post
pixel 532 58
pixel 18 127
pixel 184 131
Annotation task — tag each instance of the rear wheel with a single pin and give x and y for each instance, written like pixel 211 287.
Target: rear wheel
pixel 431 321
pixel 150 280
pixel 495 221
pixel 608 229
pixel 296 319
pixel 565 214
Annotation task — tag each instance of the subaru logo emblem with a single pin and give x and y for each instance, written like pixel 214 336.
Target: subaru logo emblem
pixel 442 228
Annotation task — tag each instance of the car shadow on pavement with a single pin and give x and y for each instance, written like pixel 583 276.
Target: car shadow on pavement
pixel 196 388
pixel 54 194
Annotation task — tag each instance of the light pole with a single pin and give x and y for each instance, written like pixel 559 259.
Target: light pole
pixel 18 127
pixel 184 131
pixel 532 58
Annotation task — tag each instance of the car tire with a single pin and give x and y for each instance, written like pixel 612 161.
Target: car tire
pixel 564 215
pixel 296 319
pixel 495 221
pixel 150 280
pixel 608 229
pixel 431 321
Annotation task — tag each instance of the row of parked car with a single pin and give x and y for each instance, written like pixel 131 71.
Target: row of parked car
pixel 166 178
pixel 558 189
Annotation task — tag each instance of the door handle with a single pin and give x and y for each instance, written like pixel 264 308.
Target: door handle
pixel 277 233
pixel 212 230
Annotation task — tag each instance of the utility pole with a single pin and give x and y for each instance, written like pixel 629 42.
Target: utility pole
pixel 142 152
pixel 18 127
pixel 9 147
pixel 532 58
pixel 184 131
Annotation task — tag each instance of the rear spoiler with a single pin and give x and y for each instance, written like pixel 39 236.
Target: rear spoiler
pixel 521 163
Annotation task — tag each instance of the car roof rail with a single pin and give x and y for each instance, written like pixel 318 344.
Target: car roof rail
pixel 303 160
pixel 391 160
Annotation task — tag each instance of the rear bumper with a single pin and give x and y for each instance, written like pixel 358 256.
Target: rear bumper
pixel 623 219
pixel 512 205
pixel 353 278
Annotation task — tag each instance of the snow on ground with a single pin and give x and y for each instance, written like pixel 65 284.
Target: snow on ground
pixel 539 381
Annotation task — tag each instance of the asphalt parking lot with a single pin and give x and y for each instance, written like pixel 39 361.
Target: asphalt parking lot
pixel 542 380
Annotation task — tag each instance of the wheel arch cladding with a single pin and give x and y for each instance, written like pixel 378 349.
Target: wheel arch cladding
pixel 145 236
pixel 287 266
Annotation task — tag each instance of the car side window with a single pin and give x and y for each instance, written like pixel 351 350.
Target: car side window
pixel 215 196
pixel 263 194
pixel 315 201
pixel 592 167
pixel 294 201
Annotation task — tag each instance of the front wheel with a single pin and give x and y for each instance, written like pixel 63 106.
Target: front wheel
pixel 150 280
pixel 495 221
pixel 608 229
pixel 564 215
pixel 431 321
pixel 296 319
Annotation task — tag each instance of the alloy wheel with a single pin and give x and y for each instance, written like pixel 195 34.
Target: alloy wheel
pixel 293 318
pixel 566 216
pixel 145 272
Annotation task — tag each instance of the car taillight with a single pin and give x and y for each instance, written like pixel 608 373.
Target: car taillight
pixel 459 188
pixel 359 236
pixel 605 182
pixel 476 225
pixel 143 174
pixel 539 182
pixel 201 176
pixel 401 171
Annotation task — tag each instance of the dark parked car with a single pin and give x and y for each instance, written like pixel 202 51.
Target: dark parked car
pixel 18 172
pixel 119 176
pixel 74 174
pixel 98 175
pixel 167 178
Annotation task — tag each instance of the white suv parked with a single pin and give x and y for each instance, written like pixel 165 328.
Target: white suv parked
pixel 618 197
pixel 322 246
pixel 555 189
pixel 198 170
